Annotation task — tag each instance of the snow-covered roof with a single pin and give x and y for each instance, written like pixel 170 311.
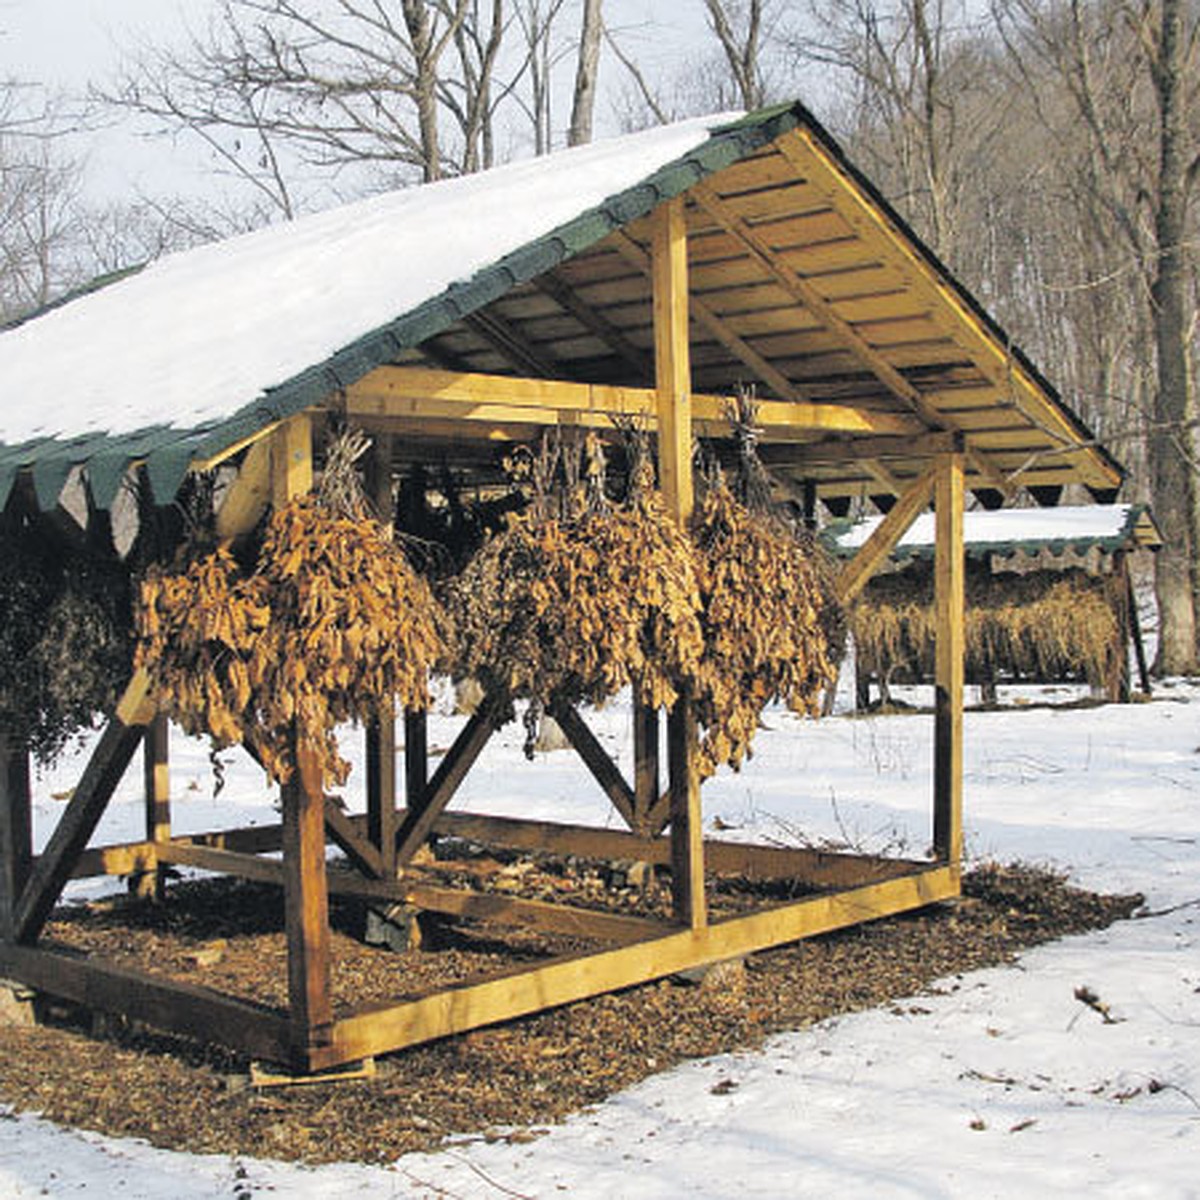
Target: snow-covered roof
pixel 183 362
pixel 1080 528
pixel 193 339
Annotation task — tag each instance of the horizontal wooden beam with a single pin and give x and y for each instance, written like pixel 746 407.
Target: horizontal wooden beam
pixel 417 392
pixel 182 1008
pixel 850 450
pixel 381 1029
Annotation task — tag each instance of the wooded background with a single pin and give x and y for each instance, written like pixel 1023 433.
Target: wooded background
pixel 1047 150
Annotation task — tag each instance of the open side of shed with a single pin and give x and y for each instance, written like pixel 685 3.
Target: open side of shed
pixel 746 255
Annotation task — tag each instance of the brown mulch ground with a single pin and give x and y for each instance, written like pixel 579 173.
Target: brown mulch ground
pixel 511 1077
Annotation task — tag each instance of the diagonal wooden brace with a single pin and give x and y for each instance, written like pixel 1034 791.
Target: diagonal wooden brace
pixel 419 819
pixel 109 760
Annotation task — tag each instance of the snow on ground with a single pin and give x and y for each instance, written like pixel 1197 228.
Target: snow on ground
pixel 999 1083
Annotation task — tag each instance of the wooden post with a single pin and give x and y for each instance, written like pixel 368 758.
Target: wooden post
pixel 416 756
pixel 306 902
pixel 305 888
pixel 646 785
pixel 949 602
pixel 673 382
pixel 156 776
pixel 16 831
pixel 291 460
pixel 672 361
pixel 381 732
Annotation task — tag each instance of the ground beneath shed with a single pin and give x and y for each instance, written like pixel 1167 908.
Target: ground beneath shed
pixel 509 1081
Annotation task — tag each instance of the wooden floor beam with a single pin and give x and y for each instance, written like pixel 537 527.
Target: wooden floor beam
pixel 384 1028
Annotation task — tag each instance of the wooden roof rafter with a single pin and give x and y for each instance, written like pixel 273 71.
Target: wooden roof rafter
pixel 848 335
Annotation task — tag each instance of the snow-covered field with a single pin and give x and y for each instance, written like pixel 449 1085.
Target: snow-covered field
pixel 999 1083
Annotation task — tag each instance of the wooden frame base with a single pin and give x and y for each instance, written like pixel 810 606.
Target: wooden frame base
pixel 861 888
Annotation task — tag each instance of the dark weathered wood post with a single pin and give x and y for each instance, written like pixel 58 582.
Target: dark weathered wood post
pixel 16 831
pixel 381 732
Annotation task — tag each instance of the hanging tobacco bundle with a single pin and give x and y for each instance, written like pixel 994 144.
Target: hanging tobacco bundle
pixel 65 638
pixel 579 596
pixel 770 621
pixel 332 624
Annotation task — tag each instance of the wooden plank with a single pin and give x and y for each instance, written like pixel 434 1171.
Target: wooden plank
pixel 223 862
pixel 845 450
pixel 306 901
pixel 248 495
pixel 854 575
pixel 16 831
pixel 291 460
pixel 418 821
pixel 381 789
pixel 511 344
pixel 646 786
pixel 595 322
pixel 775 380
pixel 949 650
pixel 597 760
pixel 78 822
pixel 380 1029
pixel 502 910
pixel 183 1008
pixel 416 755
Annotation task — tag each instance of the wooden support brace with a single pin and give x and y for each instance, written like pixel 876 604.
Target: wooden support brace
pixel 360 850
pixel 687 830
pixel 949 650
pixel 416 755
pixel 854 576
pixel 597 761
pixel 381 790
pixel 76 825
pixel 248 495
pixel 419 819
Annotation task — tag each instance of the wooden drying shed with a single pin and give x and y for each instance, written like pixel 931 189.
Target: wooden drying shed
pixel 651 276
pixel 1049 599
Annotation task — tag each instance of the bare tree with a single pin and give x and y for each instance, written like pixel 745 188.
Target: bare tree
pixel 1114 84
pixel 587 67
pixel 738 26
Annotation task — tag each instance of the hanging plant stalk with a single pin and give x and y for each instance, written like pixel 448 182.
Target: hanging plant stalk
pixel 332 624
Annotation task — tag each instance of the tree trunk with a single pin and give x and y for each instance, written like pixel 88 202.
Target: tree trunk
pixel 586 68
pixel 1173 478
